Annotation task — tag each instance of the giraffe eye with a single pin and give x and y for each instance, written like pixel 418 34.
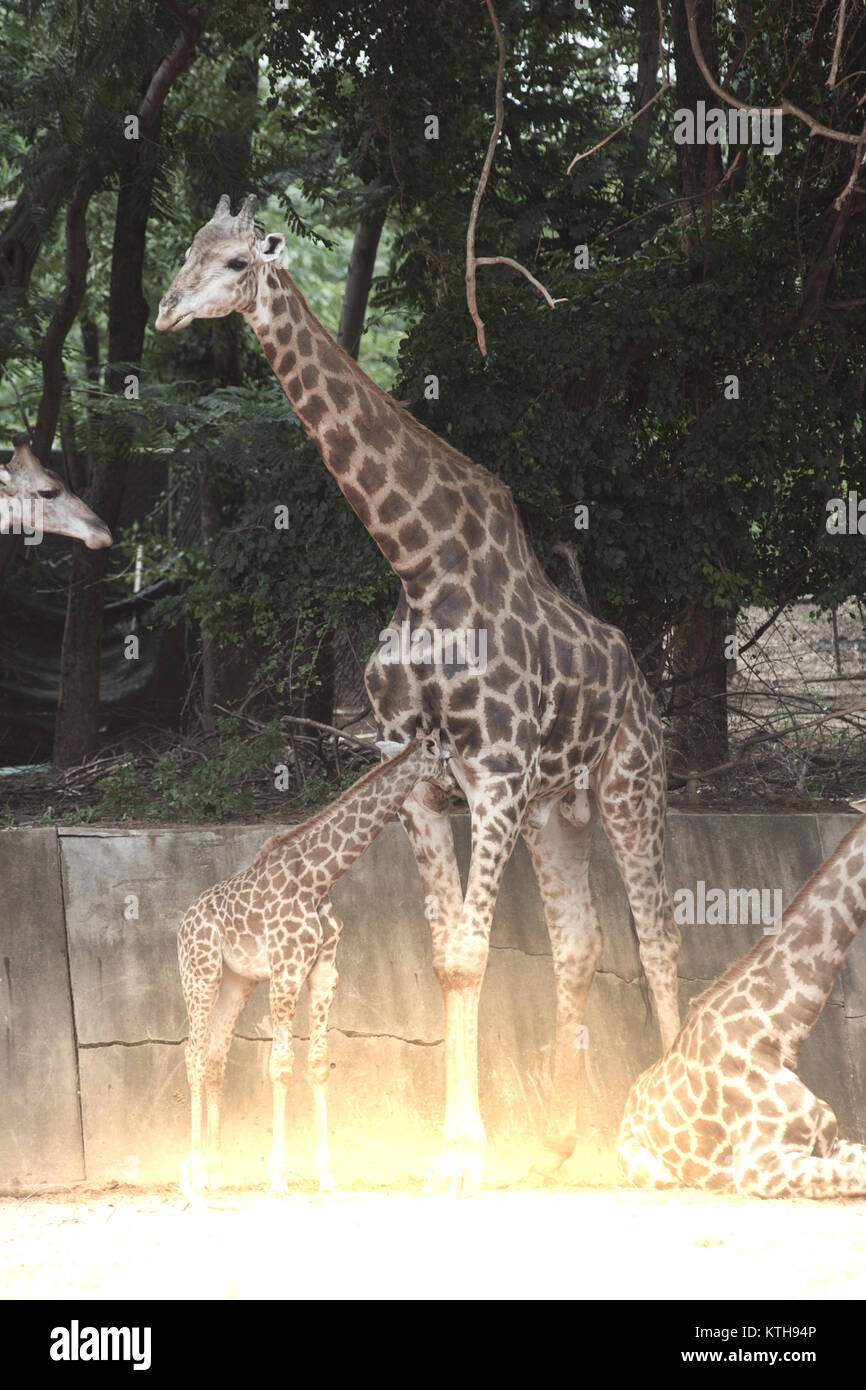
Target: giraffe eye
pixel 237 265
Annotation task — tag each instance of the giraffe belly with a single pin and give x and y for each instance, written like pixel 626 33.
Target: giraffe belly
pixel 247 955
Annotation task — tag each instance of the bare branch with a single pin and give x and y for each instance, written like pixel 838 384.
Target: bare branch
pixel 666 85
pixel 51 351
pixel 855 172
pixel 498 119
pixel 367 744
pixel 180 57
pixel 515 265
pixel 681 779
pixel 837 47
pixel 471 260
pixel 785 107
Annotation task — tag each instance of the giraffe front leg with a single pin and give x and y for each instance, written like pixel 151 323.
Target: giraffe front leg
pixel 323 986
pixel 783 1172
pixel 805 1159
pixel 285 985
pixel 425 818
pixel 642 1167
pixel 495 827
pixel 201 996
pixel 560 852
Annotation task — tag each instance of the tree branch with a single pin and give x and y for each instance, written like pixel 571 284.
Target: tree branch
pixel 471 260
pixel 515 265
pixel 666 86
pixel 681 779
pixel 180 57
pixel 51 351
pixel 785 107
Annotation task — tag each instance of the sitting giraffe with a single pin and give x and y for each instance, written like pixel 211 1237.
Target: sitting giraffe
pixel 274 921
pixel 724 1105
pixel 33 498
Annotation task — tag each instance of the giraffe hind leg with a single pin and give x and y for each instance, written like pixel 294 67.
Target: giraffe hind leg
pixel 322 984
pixel 632 808
pixel 560 852
pixel 234 991
pixel 200 962
pixel 286 981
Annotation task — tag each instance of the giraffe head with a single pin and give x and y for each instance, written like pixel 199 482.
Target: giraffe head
pixel 34 499
pixel 222 268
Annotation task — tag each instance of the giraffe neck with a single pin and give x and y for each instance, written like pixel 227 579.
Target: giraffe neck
pixel 410 489
pixel 800 964
pixel 346 827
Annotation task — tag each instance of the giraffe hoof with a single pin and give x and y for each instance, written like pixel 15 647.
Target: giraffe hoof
pixel 455 1175
pixel 277 1178
pixel 547 1165
pixel 192 1183
pixel 193 1175
pixel 442 1185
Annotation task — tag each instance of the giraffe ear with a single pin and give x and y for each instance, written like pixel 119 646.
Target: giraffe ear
pixel 859 806
pixel 272 246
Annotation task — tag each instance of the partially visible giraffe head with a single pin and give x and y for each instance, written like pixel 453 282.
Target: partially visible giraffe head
pixel 35 499
pixel 221 270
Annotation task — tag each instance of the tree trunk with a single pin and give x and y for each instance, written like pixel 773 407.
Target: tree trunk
pixel 699 713
pixel 645 84
pixel 359 276
pixel 699 709
pixel 77 726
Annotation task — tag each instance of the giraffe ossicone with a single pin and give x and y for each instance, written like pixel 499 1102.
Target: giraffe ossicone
pixel 724 1107
pixel 559 690
pixel 274 921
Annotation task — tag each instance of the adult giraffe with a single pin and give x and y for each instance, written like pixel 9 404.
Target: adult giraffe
pixel 560 704
pixel 33 498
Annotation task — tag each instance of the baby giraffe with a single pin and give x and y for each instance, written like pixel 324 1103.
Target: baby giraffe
pixel 724 1106
pixel 274 921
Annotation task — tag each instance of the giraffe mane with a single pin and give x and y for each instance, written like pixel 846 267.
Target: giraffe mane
pixel 481 476
pixel 285 837
pixel 733 971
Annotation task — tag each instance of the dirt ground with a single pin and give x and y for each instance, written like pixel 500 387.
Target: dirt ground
pixel 543 1243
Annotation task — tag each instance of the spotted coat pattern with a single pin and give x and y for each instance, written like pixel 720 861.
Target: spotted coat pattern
pixel 558 723
pixel 274 921
pixel 724 1108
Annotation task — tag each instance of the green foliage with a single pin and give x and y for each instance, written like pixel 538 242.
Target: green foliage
pixel 221 781
pixel 615 399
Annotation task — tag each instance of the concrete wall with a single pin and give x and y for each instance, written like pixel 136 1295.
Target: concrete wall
pixel 92 1079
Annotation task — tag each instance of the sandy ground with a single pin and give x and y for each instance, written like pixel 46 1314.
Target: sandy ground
pixel 614 1243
